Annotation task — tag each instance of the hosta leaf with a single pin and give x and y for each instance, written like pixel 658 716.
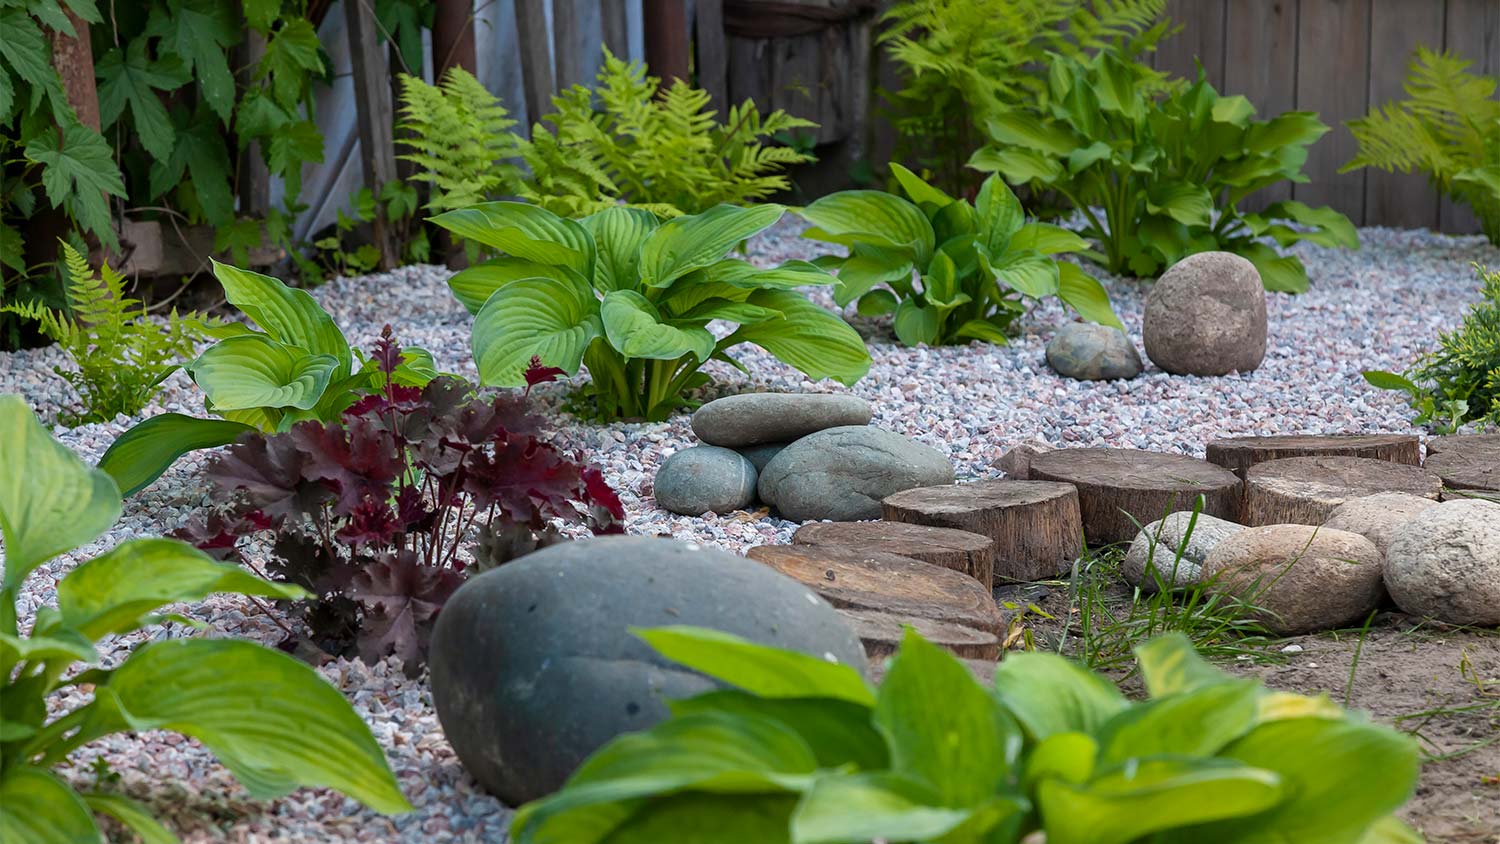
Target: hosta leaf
pixel 547 318
pixel 792 274
pixel 525 231
pixel 1196 723
pixel 1278 273
pixel 255 371
pixel 1031 275
pixel 917 190
pixel 875 218
pixel 1047 239
pixel 475 285
pixel 759 669
pixel 1235 109
pixel 149 448
pixel 635 328
pixel 915 323
pixel 1188 204
pixel 736 312
pixel 1084 294
pixel 273 721
pixel 1171 665
pixel 1000 214
pixel 842 808
pixel 56 504
pixel 1021 129
pixel 1018 166
pixel 131 815
pixel 38 808
pixel 1085 157
pixel 1291 128
pixel 838 732
pixel 1390 381
pixel 1048 694
pixel 619 233
pixel 68 644
pixel 1391 830
pixel 709 819
pixel 815 342
pixel 876 303
pixel 1330 227
pixel 696 241
pixel 868 266
pixel 980 329
pixel 290 316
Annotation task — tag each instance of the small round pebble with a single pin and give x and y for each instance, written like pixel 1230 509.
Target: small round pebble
pixel 704 479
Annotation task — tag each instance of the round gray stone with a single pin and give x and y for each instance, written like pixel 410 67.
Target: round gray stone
pixel 1158 544
pixel 1444 563
pixel 755 418
pixel 705 478
pixel 1091 352
pixel 534 668
pixel 1206 316
pixel 760 455
pixel 1300 578
pixel 1377 517
pixel 842 474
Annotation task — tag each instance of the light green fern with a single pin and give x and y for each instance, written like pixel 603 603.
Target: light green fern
pixel 1448 127
pixel 460 136
pixel 121 356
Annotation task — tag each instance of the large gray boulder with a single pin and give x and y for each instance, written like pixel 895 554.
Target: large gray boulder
pixel 1091 352
pixel 1158 544
pixel 1300 578
pixel 842 474
pixel 1206 316
pixel 755 418
pixel 705 478
pixel 534 667
pixel 1444 563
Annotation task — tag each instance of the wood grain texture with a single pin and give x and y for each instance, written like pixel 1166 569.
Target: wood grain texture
pixel 576 36
pixel 710 56
pixel 1237 454
pixel 1333 65
pixel 1397 27
pixel 534 43
pixel 374 117
pixel 1472 31
pixel 881 634
pixel 959 550
pixel 1036 526
pixel 1461 469
pixel 1260 62
pixel 1121 489
pixel 1201 40
pixel 1464 443
pixel 1306 490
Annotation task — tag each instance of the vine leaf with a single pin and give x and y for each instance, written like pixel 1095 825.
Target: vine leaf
pixel 200 149
pixel 130 78
pixel 290 56
pixel 200 32
pixel 77 171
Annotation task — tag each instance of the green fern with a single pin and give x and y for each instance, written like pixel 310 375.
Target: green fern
pixel 460 135
pixel 121 356
pixel 1448 127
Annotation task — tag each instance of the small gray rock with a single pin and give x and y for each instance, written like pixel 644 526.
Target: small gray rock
pixel 705 478
pixel 1206 316
pixel 1091 352
pixel 1301 578
pixel 755 418
pixel 842 474
pixel 1444 563
pixel 534 667
pixel 1159 541
pixel 760 455
pixel 1377 517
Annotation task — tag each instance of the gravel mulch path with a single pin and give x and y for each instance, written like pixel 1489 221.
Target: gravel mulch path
pixel 1374 308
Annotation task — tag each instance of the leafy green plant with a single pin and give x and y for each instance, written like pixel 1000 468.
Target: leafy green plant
pixel 631 298
pixel 962 59
pixel 460 136
pixel 803 751
pixel 1168 171
pixel 270 719
pixel 343 252
pixel 120 355
pixel 1459 381
pixel 976 264
pixel 1449 127
pixel 298 367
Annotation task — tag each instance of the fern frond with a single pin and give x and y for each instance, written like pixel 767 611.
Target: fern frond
pixel 459 134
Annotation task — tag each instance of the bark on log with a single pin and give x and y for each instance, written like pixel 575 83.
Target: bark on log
pixel 1466 443
pixel 1120 490
pixel 1467 468
pixel 1238 454
pixel 1036 526
pixel 1306 490
pixel 959 550
pixel 881 634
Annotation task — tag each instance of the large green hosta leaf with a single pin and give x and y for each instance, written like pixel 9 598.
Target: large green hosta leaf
pixel 1049 694
pixel 142 453
pixel 253 371
pixel 526 231
pixel 475 285
pixel 873 217
pixel 619 234
pixel 747 276
pixel 636 330
pixel 759 669
pixel 38 808
pixel 851 809
pixel 1085 295
pixel 814 341
pixel 698 241
pixel 551 319
pixel 289 316
pixel 50 502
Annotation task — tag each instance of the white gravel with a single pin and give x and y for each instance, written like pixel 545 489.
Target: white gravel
pixel 1375 308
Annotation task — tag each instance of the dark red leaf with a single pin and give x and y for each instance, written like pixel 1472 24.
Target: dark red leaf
pixel 538 374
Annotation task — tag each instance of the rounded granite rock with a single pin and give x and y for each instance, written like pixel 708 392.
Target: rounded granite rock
pixel 1090 352
pixel 1206 315
pixel 1299 578
pixel 1444 563
pixel 705 478
pixel 755 418
pixel 1158 544
pixel 842 474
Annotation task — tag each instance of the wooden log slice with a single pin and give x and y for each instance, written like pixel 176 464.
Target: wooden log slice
pixel 1238 454
pixel 890 583
pixel 1467 468
pixel 982 669
pixel 1305 490
pixel 1465 443
pixel 881 633
pixel 971 553
pixel 1036 526
pixel 1120 488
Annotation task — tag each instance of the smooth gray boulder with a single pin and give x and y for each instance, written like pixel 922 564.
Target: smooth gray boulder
pixel 755 418
pixel 760 455
pixel 1091 352
pixel 1158 544
pixel 1444 563
pixel 705 478
pixel 534 668
pixel 1206 316
pixel 842 474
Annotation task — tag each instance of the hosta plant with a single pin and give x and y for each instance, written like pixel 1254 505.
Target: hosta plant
pixel 631 298
pixel 272 721
pixel 298 366
pixel 950 270
pixel 1158 178
pixel 803 751
pixel 381 515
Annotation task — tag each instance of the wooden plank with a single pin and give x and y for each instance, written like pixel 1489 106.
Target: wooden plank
pixel 1202 39
pixel 255 177
pixel 1397 27
pixel 616 29
pixel 575 39
pixel 373 117
pixel 709 53
pixel 534 38
pixel 666 31
pixel 1473 31
pixel 1333 49
pixel 452 36
pixel 1260 62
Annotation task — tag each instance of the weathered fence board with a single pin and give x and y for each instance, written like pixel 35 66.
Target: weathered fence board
pixel 1397 28
pixel 1473 31
pixel 1263 28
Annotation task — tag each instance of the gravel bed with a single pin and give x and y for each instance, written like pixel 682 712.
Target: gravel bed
pixel 1374 308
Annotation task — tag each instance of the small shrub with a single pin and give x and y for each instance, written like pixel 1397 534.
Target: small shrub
pixel 270 719
pixel 371 514
pixel 803 751
pixel 120 355
pixel 1449 128
pixel 976 264
pixel 1459 382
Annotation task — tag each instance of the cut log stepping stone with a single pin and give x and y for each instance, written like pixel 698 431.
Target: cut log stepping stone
pixel 1306 490
pixel 1466 443
pixel 885 582
pixel 1036 526
pixel 1238 454
pixel 881 634
pixel 971 553
pixel 1467 468
pixel 1120 489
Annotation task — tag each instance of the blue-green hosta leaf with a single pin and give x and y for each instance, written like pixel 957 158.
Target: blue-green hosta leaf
pixel 813 341
pixel 918 191
pixel 525 231
pixel 149 448
pixel 758 669
pixel 475 285
pixel 742 313
pixel 131 815
pixel 916 324
pixel 273 721
pixel 547 318
pixel 1278 273
pixel 1170 665
pixel 1330 227
pixel 868 266
pixel 747 276
pixel 981 329
pixel 1018 166
pixel 113 591
pixel 1031 275
pixel 56 504
pixel 1047 239
pixel 851 808
pixel 1021 129
pixel 876 303
pixel 255 371
pixel 619 233
pixel 1000 215
pixel 697 241
pixel 1048 694
pixel 38 808
pixel 1084 294
pixel 288 315
pixel 635 328
pixel 875 218
pixel 1189 204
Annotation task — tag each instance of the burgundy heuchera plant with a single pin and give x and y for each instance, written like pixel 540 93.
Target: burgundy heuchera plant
pixel 371 514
